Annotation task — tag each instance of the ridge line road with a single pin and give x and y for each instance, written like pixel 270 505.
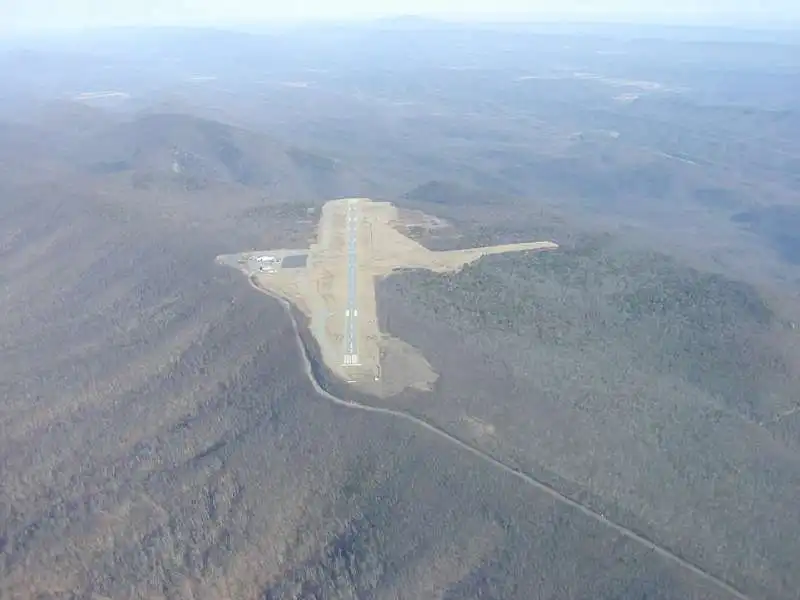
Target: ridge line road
pixel 528 479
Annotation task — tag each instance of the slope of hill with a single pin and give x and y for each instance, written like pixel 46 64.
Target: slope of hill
pixel 158 150
pixel 197 153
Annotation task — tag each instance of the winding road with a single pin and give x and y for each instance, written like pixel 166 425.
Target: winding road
pixel 529 480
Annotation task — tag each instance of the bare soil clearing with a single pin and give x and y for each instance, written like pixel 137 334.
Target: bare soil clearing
pixel 358 241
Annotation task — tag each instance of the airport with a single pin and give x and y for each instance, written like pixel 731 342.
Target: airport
pixel 333 281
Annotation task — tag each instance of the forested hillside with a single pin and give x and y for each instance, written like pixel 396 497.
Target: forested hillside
pixel 638 384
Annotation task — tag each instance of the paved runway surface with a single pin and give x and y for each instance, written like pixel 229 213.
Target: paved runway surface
pixel 351 312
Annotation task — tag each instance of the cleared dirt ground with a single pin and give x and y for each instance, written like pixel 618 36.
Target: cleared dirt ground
pixel 358 241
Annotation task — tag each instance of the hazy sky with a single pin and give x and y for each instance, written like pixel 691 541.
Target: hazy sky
pixel 35 14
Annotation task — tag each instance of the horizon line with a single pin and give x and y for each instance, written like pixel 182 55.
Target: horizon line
pixel 738 22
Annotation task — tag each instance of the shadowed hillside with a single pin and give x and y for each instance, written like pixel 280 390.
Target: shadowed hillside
pixel 178 151
pixel 197 153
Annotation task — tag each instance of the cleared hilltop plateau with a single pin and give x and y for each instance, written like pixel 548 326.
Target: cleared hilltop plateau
pixel 333 284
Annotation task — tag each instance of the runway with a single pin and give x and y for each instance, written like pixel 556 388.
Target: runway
pixel 351 312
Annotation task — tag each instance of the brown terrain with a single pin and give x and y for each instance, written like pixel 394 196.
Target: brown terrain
pixel 333 284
